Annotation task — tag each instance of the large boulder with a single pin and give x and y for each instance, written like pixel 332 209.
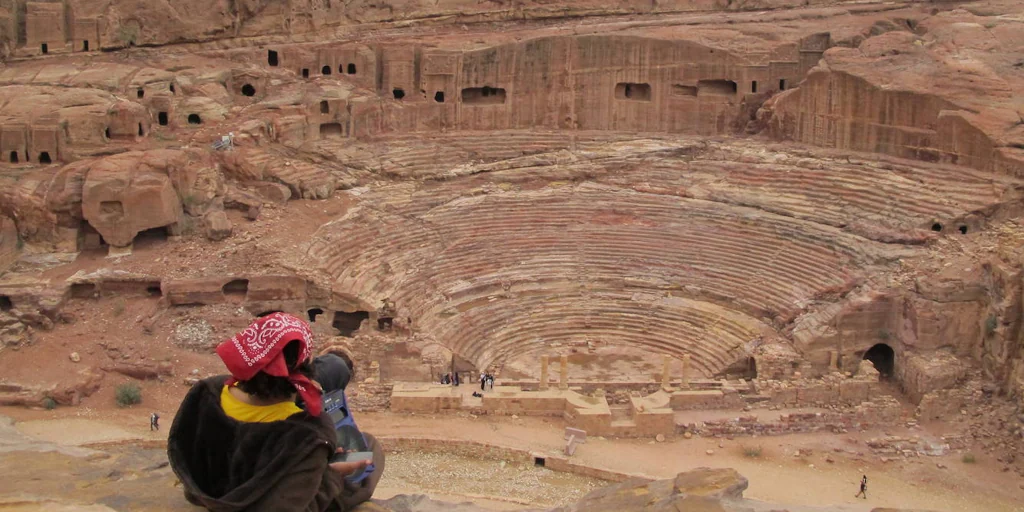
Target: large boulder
pixel 122 198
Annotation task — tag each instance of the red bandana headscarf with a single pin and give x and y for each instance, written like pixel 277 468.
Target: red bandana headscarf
pixel 258 349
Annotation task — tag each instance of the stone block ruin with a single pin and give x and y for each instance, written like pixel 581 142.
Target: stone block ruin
pixel 687 205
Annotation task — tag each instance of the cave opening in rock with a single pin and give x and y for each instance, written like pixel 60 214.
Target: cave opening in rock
pixel 83 290
pixel 161 118
pixel 329 130
pixel 14 157
pixel 305 72
pixel 385 323
pixel 753 86
pixel 348 323
pixel 884 359
pixel 398 93
pixel 194 119
pixel 44 157
pixel 439 96
pixel 312 313
pixel 272 58
pixel 236 290
pixel 85 45
pixel 716 87
pixel 963 230
pixel 326 70
pixel 782 84
pixel 936 227
pixel 46 48
pixel 634 92
pixel 248 90
pixel 142 131
pixel 141 93
pixel 351 69
pixel 5 303
pixel 325 108
pixel 483 96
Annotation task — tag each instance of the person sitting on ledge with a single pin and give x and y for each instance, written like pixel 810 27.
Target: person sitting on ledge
pixel 240 442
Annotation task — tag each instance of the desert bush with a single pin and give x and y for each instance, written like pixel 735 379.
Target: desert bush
pixel 990 325
pixel 128 394
pixel 752 452
pixel 49 404
pixel 968 458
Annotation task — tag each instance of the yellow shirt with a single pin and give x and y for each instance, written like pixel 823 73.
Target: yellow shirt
pixel 242 411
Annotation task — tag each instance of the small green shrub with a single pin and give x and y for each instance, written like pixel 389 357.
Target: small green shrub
pixel 49 403
pixel 752 452
pixel 968 458
pixel 128 394
pixel 990 325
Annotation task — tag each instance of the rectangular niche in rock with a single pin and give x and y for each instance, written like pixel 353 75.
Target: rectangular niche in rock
pixel 483 96
pixel 634 92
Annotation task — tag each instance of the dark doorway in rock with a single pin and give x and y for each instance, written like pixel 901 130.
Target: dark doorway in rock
pixel 162 118
pixel 141 93
pixel 439 96
pixel 44 158
pixel 313 313
pixel 398 93
pixel 106 132
pixel 635 92
pixel 248 90
pixel 85 46
pixel 326 70
pixel 272 58
pixel 150 238
pixel 305 72
pixel 325 108
pixel 884 359
pixel 14 157
pixel 753 86
pixel 385 323
pixel 329 130
pixel 539 461
pixel 236 290
pixel 348 323
pixel 963 230
pixel 351 69
pixel 46 48
pixel 782 84
pixel 154 290
pixel 194 119
pixel 936 227
pixel 172 88
pixel 751 373
pixel 483 96
pixel 5 303
pixel 83 290
pixel 142 131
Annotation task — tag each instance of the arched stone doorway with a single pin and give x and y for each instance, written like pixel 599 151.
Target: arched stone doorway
pixel 884 359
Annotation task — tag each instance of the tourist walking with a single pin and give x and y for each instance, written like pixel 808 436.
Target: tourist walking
pixel 483 381
pixel 490 381
pixel 863 488
pixel 154 422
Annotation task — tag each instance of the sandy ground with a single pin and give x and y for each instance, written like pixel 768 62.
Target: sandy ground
pixel 775 476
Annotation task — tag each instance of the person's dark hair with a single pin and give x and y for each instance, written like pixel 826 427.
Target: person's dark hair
pixel 268 387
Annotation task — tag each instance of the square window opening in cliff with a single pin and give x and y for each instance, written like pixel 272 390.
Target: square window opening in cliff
pixel 539 461
pixel 153 289
pixel 753 86
pixel 161 118
pixel 236 290
pixel 44 158
pixel 937 227
pixel 194 119
pixel 312 313
pixel 305 72
pixel 141 93
pixel 248 90
pixel 351 69
pixel 483 96
pixel 13 157
pixel 325 108
pixel 782 84
pixel 46 48
pixel 634 92
pixel 331 130
pixel 326 70
pixel 684 90
pixel 439 96
pixel 398 93
pixel 272 58
pixel 963 230
pixel 348 323
pixel 716 87
pixel 5 303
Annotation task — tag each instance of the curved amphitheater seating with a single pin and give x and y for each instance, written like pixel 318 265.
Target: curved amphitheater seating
pixel 500 275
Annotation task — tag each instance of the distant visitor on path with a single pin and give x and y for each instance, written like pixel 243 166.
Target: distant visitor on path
pixel 483 381
pixel 863 488
pixel 154 422
pixel 240 442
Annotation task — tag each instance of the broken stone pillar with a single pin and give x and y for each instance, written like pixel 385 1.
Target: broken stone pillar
pixel 543 373
pixel 833 360
pixel 686 371
pixel 666 373
pixel 563 379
